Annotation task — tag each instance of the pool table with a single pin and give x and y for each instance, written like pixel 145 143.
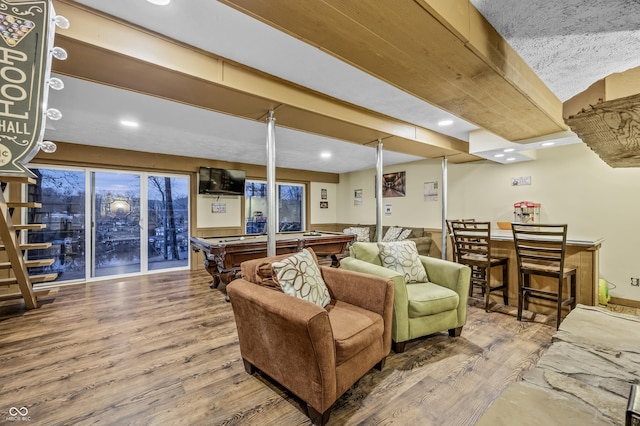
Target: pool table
pixel 223 255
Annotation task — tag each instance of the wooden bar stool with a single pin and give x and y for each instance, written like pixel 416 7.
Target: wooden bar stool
pixel 472 241
pixel 540 250
pixel 476 272
pixel 453 242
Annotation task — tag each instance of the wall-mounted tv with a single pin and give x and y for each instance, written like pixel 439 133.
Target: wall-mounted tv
pixel 221 181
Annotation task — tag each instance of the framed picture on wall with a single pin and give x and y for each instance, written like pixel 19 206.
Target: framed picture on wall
pixel 394 184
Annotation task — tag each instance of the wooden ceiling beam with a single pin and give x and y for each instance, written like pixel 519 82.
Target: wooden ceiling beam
pixel 108 51
pixel 441 51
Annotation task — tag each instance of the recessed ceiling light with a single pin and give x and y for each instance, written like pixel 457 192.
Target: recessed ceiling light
pixel 445 123
pixel 510 158
pixel 509 150
pixel 129 123
pixel 325 154
pixel 160 2
pixel 499 155
pixel 548 143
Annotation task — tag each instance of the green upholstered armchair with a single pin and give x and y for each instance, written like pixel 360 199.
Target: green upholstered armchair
pixel 419 308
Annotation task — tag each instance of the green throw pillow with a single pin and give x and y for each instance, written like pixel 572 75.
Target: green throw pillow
pixel 369 252
pixel 299 276
pixel 402 257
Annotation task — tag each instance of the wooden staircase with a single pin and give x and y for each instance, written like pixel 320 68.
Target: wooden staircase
pixel 16 265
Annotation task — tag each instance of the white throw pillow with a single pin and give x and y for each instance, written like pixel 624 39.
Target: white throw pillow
pixel 402 257
pixel 361 233
pixel 404 234
pixel 392 234
pixel 299 276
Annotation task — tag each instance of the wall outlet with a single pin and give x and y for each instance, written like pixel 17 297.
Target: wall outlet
pixel 635 282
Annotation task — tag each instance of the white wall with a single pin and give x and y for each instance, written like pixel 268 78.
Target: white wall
pixel 571 182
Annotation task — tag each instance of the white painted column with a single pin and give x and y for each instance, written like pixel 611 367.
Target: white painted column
pixel 271 185
pixel 379 190
pixel 444 207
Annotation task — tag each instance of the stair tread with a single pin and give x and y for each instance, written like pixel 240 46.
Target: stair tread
pixel 30 226
pixel 33 278
pixel 18 179
pixel 30 263
pixel 30 246
pixel 37 293
pixel 24 204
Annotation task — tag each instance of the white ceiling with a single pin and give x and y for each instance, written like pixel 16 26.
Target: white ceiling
pixel 91 112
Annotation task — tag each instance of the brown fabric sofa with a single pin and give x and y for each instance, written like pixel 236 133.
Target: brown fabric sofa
pixel 421 237
pixel 317 353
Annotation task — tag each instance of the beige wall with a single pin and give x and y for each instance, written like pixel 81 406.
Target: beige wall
pixel 316 214
pixel 206 218
pixel 571 182
pixel 409 211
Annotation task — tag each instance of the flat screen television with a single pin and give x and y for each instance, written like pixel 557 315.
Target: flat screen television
pixel 221 181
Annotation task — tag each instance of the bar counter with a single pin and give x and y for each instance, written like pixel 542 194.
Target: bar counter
pixel 582 252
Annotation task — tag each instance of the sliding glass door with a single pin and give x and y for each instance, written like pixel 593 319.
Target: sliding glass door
pixel 168 220
pixel 117 227
pixel 137 222
pixel 62 195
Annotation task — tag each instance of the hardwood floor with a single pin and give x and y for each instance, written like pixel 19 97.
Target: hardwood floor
pixel 163 350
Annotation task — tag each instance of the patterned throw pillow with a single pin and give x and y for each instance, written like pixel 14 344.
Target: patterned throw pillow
pixel 404 235
pixel 361 233
pixel 392 234
pixel 402 257
pixel 299 276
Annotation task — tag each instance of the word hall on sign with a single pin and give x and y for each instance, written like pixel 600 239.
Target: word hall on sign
pixel 522 180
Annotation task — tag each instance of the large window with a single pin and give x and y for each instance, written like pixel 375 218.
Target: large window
pixel 290 212
pixel 136 222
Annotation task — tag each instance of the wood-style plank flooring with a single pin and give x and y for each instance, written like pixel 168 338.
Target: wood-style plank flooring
pixel 163 350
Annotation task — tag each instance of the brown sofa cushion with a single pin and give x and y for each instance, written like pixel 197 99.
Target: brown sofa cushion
pixel 423 244
pixel 421 237
pixel 354 329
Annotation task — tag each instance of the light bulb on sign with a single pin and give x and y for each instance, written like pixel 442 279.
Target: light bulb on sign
pixel 61 22
pixel 56 84
pixel 54 114
pixel 59 53
pixel 48 146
